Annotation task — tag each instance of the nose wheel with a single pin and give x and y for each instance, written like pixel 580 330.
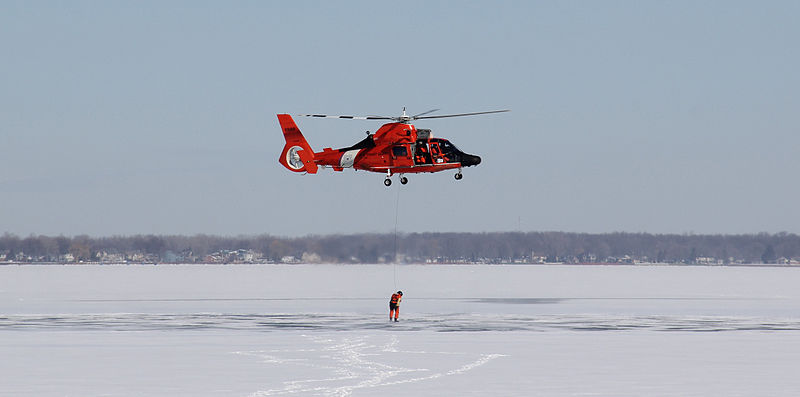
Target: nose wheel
pixel 387 182
pixel 458 176
pixel 403 180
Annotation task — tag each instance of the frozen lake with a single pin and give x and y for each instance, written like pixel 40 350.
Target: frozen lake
pixel 323 330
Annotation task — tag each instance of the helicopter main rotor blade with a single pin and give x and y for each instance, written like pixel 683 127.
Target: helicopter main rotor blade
pixel 403 118
pixel 424 113
pixel 459 115
pixel 346 117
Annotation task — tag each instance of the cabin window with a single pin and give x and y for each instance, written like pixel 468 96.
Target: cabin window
pixel 400 151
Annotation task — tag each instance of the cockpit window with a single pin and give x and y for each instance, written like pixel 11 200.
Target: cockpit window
pixel 446 146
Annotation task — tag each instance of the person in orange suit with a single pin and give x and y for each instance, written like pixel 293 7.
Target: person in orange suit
pixel 422 156
pixel 394 305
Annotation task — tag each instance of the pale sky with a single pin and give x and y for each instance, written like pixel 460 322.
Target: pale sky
pixel 121 118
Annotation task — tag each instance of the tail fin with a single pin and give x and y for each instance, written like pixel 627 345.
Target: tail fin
pixel 297 155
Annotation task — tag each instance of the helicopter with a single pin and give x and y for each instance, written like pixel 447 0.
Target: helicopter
pixel 398 147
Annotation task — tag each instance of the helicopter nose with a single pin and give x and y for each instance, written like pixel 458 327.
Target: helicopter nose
pixel 470 160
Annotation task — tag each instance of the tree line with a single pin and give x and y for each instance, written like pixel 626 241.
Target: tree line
pixel 495 247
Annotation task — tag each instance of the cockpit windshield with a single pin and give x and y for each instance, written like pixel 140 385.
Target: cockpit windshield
pixel 446 146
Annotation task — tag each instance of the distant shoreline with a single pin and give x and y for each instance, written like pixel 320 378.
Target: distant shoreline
pixel 428 248
pixel 765 265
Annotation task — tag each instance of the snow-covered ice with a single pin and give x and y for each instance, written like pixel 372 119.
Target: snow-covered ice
pixel 323 330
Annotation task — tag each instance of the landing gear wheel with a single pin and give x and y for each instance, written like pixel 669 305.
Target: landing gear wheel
pixel 387 182
pixel 403 180
pixel 459 176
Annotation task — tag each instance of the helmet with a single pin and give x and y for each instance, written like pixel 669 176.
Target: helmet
pixel 400 292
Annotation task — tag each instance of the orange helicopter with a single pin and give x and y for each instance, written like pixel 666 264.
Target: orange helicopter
pixel 396 148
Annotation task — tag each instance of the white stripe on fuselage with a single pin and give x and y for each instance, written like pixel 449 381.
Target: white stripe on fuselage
pixel 348 158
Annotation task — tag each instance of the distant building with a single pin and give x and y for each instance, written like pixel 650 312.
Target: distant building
pixel 704 260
